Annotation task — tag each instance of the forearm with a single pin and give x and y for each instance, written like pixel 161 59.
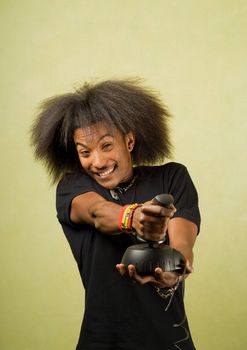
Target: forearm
pixel 94 210
pixel 105 216
pixel 149 221
pixel 186 250
pixel 182 236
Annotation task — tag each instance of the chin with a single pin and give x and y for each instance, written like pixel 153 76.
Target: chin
pixel 108 184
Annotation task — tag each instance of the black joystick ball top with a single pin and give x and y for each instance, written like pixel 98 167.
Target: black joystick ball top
pixel 146 259
pixel 164 200
pixel 147 256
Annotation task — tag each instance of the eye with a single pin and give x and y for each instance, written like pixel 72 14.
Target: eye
pixel 107 146
pixel 84 153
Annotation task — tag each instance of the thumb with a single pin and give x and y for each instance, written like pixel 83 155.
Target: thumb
pixel 189 267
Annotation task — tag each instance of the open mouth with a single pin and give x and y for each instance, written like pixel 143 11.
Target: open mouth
pixel 105 173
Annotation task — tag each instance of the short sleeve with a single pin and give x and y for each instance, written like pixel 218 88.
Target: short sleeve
pixel 184 192
pixel 68 188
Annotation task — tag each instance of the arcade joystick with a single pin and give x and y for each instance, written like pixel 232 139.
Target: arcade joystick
pixel 151 254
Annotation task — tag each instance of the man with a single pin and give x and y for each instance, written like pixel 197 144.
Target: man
pixel 102 144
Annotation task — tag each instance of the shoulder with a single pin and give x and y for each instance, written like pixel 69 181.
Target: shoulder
pixel 173 167
pixel 74 181
pixel 173 170
pixel 74 177
pixel 176 175
pixel 164 169
pixel 173 177
pixel 160 178
pixel 75 184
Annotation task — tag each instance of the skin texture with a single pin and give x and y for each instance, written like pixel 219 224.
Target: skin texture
pixel 106 156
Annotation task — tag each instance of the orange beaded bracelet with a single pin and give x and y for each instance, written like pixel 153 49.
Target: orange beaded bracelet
pixel 126 217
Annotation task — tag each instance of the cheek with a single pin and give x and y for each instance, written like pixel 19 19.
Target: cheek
pixel 125 159
pixel 83 162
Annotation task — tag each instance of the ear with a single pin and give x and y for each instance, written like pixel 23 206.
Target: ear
pixel 130 141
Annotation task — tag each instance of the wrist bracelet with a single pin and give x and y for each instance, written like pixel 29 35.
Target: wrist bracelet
pixel 126 217
pixel 167 292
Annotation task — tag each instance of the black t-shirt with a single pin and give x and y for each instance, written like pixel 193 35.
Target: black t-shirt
pixel 120 315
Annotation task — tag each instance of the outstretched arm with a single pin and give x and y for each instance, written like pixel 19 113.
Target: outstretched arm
pixel 149 221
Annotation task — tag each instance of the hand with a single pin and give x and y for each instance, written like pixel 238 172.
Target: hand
pixel 150 221
pixel 160 278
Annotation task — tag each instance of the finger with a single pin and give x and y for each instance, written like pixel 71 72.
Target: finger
pixel 133 274
pixel 189 267
pixel 153 236
pixel 155 226
pixel 132 271
pixel 153 220
pixel 158 273
pixel 165 279
pixel 121 269
pixel 156 210
pixel 137 278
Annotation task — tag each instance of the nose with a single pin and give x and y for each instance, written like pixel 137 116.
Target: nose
pixel 98 160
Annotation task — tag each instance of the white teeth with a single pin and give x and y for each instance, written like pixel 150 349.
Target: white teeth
pixel 105 173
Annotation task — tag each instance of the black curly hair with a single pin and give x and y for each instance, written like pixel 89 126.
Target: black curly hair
pixel 121 104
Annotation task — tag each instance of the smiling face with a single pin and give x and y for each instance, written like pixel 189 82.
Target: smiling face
pixel 105 154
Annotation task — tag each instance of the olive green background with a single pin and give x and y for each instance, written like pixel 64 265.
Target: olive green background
pixel 194 53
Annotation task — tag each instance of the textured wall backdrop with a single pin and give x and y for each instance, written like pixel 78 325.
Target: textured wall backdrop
pixel 194 53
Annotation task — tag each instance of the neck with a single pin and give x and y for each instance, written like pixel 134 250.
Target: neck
pixel 124 186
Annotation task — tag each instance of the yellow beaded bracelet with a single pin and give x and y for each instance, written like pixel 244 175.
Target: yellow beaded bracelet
pixel 126 217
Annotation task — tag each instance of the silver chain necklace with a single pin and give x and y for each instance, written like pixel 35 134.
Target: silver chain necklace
pixel 120 190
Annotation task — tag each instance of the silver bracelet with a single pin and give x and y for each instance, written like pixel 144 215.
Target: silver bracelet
pixel 167 292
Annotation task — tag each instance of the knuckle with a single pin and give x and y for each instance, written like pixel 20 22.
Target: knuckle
pixel 142 219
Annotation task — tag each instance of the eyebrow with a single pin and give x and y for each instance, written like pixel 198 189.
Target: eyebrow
pixel 102 137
